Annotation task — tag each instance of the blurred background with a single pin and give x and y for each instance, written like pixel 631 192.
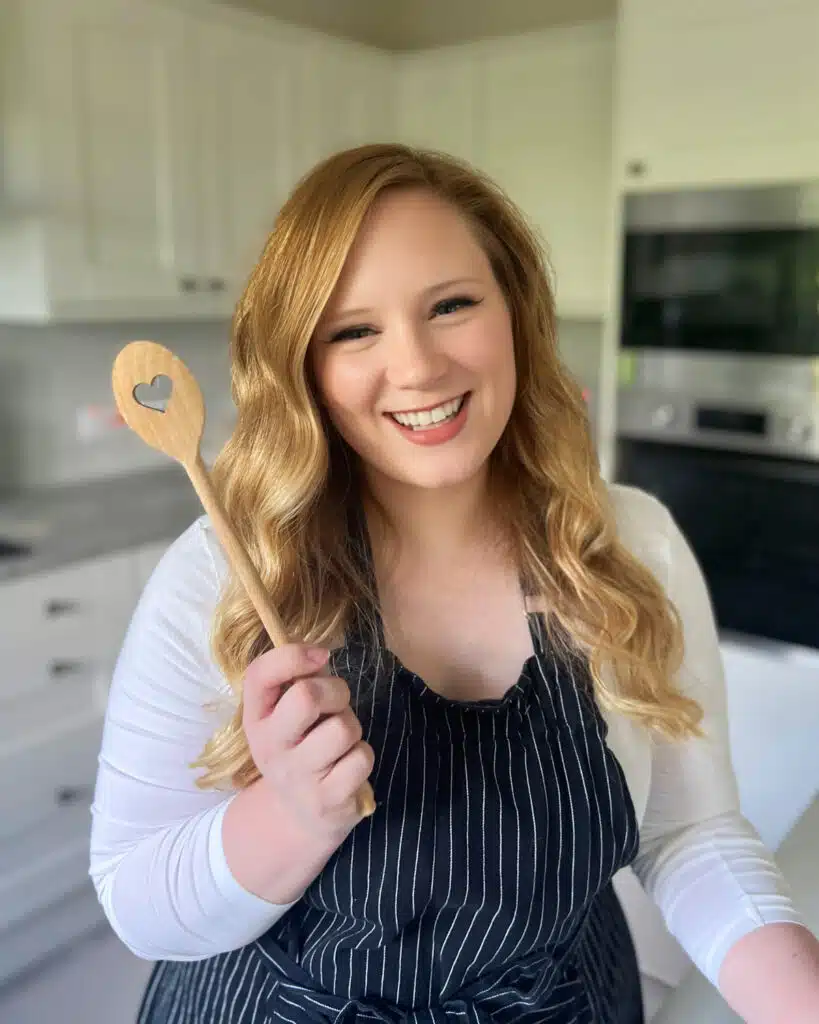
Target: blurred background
pixel 668 155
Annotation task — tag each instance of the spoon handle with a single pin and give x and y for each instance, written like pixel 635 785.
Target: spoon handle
pixel 238 557
pixel 246 571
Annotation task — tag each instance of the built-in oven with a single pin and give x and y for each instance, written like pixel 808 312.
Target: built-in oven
pixel 723 271
pixel 718 397
pixel 752 517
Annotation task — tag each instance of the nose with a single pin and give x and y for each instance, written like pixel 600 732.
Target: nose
pixel 415 360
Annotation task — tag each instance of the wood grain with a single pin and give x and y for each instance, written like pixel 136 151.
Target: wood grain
pixel 177 431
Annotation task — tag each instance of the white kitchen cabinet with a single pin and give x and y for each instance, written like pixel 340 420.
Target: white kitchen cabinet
pixel 147 144
pixel 99 192
pixel 274 101
pixel 247 82
pixel 439 100
pixel 62 633
pixel 545 130
pixel 717 92
pixel 346 96
pixel 535 113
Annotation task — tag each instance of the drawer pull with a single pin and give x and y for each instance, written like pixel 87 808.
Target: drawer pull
pixel 56 608
pixel 61 669
pixel 70 796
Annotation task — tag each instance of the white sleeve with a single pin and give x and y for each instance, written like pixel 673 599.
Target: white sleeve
pixel 700 859
pixel 157 859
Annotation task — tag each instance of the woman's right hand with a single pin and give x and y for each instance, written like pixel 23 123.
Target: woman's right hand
pixel 305 739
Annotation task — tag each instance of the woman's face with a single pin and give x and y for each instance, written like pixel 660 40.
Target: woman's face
pixel 414 355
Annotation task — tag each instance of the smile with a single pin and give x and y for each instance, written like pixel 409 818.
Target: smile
pixel 425 418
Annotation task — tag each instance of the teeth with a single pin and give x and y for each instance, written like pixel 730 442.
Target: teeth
pixel 429 417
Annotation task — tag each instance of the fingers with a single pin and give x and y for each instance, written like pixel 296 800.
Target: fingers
pixel 329 741
pixel 305 702
pixel 268 674
pixel 345 778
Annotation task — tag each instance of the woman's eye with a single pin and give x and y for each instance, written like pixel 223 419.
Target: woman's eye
pixel 352 334
pixel 447 306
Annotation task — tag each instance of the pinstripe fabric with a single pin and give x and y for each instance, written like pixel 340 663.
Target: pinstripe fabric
pixel 480 890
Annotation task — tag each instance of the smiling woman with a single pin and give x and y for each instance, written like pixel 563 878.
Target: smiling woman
pixel 521 660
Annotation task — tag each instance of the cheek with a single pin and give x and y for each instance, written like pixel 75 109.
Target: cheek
pixel 344 389
pixel 493 352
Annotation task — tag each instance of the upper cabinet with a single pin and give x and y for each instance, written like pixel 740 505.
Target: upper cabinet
pixel 272 102
pixel 717 92
pixel 147 146
pixel 535 113
pixel 545 136
pixel 97 211
pixel 438 96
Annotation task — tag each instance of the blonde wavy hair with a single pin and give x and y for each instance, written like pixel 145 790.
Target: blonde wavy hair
pixel 284 474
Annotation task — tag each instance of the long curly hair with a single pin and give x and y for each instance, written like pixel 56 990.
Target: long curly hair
pixel 284 476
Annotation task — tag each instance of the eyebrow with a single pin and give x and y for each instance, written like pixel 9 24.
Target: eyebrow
pixel 440 286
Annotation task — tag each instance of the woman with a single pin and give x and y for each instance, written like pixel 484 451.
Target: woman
pixel 413 475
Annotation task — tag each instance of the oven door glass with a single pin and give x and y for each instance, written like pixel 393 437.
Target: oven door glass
pixel 752 291
pixel 753 523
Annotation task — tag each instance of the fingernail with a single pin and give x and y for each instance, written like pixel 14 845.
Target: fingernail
pixel 318 655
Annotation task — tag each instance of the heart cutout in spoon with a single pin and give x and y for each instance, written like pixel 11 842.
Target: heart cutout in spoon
pixel 155 395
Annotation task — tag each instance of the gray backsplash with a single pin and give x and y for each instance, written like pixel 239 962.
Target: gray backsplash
pixel 46 373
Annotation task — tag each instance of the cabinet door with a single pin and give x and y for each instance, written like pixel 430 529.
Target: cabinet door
pixel 546 139
pixel 439 100
pixel 247 84
pixel 346 93
pixel 118 134
pixel 717 92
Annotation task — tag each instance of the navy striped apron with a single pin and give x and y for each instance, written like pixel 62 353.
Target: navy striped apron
pixel 480 890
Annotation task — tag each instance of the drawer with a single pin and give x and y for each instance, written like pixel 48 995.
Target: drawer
pixel 43 883
pixel 57 928
pixel 39 673
pixel 66 825
pixel 46 776
pixel 48 699
pixel 67 612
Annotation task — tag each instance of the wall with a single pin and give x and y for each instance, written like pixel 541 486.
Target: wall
pixel 415 24
pixel 47 373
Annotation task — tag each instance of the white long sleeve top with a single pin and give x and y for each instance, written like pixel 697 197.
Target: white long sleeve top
pixel 157 858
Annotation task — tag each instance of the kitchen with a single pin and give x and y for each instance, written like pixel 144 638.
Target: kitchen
pixel 136 191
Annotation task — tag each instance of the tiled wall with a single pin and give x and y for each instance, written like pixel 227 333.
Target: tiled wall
pixel 46 373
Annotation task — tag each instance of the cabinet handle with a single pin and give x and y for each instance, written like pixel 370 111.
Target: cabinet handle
pixel 217 284
pixel 635 168
pixel 56 608
pixel 70 796
pixel 61 669
pixel 188 284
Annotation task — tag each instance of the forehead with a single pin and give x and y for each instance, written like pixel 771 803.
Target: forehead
pixel 410 239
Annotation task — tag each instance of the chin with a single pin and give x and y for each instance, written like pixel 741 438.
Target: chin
pixel 441 477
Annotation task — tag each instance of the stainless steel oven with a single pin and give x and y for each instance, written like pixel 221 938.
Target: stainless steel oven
pixel 723 271
pixel 718 398
pixel 750 514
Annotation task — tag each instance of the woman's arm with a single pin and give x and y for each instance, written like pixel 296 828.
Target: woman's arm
pixel 719 889
pixel 158 843
pixel 772 974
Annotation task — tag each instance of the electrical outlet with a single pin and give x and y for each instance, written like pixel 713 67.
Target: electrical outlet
pixel 95 422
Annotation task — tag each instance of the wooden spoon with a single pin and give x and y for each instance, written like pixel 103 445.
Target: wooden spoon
pixel 174 425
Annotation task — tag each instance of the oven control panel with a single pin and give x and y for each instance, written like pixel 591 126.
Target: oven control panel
pixel 772 428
